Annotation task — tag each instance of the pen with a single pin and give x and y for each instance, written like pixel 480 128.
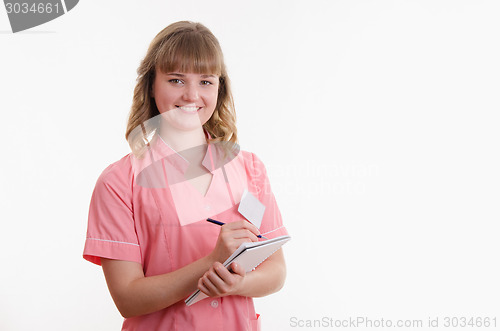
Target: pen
pixel 221 224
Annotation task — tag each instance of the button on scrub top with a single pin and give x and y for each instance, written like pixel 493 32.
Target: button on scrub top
pixel 144 210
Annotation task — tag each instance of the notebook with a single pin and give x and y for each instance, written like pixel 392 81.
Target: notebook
pixel 249 256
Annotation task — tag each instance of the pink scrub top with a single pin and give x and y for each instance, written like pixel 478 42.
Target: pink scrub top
pixel 143 210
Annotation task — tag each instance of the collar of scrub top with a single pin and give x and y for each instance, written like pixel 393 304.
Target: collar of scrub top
pixel 159 159
pixel 214 158
pixel 163 166
pixel 177 161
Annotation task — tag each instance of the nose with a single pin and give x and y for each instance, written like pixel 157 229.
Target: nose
pixel 190 93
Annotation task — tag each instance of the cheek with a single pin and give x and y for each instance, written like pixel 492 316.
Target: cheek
pixel 213 98
pixel 164 99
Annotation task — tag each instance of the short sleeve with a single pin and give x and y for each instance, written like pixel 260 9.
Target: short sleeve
pixel 272 224
pixel 111 228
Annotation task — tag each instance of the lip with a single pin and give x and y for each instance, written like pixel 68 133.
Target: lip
pixel 188 109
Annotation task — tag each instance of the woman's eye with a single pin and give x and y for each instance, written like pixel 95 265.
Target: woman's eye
pixel 206 82
pixel 175 81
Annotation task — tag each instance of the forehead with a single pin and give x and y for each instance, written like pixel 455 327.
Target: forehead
pixel 190 57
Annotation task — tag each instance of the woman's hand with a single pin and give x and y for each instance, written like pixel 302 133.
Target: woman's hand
pixel 218 281
pixel 231 236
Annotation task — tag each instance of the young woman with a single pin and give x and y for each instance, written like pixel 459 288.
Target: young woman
pixel 147 220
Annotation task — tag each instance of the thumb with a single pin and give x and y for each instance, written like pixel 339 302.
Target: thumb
pixel 238 269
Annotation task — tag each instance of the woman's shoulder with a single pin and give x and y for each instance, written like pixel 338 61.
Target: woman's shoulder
pixel 119 171
pixel 251 160
pixel 249 156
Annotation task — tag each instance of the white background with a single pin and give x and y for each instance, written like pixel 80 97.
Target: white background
pixel 377 121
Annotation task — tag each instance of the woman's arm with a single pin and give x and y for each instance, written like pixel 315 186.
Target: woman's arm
pixel 269 277
pixel 134 294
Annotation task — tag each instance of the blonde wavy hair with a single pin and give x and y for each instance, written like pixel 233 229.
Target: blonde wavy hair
pixel 185 47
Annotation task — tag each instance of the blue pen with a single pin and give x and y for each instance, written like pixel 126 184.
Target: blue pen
pixel 221 224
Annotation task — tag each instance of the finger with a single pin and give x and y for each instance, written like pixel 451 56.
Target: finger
pixel 238 269
pixel 232 240
pixel 224 274
pixel 243 224
pixel 203 288
pixel 232 245
pixel 211 288
pixel 244 234
pixel 220 285
pixel 250 226
pixel 234 225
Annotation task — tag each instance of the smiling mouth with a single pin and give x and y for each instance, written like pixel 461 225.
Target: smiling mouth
pixel 189 109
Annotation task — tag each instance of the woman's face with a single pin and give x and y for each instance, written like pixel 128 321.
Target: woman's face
pixel 185 100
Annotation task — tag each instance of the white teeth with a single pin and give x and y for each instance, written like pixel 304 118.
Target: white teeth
pixel 189 109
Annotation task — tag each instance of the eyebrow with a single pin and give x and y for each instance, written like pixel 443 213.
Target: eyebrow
pixel 182 75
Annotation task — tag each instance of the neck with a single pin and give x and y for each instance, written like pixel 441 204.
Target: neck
pixel 181 140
